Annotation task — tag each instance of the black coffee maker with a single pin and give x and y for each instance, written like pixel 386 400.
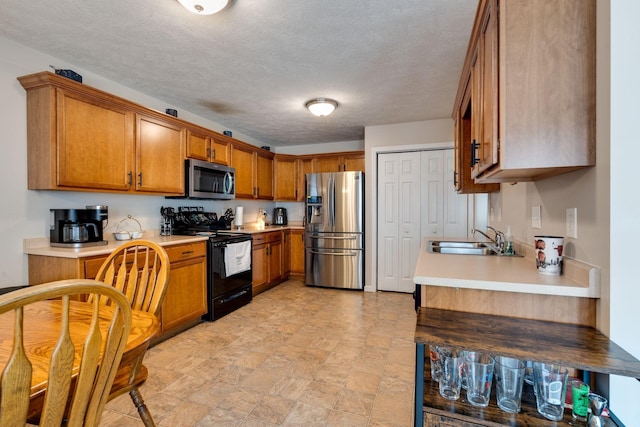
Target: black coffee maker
pixel 280 216
pixel 77 228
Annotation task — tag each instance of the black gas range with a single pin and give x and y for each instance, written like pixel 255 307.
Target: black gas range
pixel 229 260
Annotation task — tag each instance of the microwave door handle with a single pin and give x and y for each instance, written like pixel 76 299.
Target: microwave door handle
pixel 228 183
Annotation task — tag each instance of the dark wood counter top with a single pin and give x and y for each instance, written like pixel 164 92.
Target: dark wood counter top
pixel 580 347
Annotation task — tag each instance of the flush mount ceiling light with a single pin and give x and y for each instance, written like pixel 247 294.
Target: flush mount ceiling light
pixel 204 7
pixel 321 106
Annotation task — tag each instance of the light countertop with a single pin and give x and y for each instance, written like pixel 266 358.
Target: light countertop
pixel 40 246
pixel 506 274
pixel 253 229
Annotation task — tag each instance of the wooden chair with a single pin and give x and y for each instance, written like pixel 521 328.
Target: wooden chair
pixel 79 375
pixel 140 270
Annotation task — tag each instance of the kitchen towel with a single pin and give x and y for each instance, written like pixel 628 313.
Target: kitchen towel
pixel 237 258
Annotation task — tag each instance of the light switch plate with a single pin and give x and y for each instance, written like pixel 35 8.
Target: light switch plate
pixel 536 217
pixel 572 223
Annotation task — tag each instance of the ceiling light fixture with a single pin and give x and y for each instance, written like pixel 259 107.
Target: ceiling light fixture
pixel 204 7
pixel 321 106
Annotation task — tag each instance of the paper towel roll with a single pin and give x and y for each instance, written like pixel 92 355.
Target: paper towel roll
pixel 239 220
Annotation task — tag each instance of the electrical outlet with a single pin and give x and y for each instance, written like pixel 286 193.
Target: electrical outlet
pixel 572 223
pixel 536 217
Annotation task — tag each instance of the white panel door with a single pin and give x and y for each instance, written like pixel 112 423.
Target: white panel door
pixel 455 205
pixel 431 197
pixel 398 220
pixel 388 172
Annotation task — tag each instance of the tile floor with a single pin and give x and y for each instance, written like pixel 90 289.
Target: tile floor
pixel 295 356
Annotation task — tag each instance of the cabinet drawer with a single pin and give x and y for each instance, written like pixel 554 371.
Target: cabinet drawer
pixel 259 239
pixel 274 237
pixel 92 265
pixel 186 251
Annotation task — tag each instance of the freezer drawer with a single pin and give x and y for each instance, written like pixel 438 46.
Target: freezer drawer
pixel 334 268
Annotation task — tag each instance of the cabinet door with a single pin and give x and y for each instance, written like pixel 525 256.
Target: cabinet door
pixel 95 142
pixel 186 295
pixel 197 145
pixel 297 252
pixel 275 261
pixel 243 160
pixel 463 183
pixel 353 162
pixel 159 157
pixel 286 252
pixel 488 62
pixel 327 164
pixel 305 166
pixel 259 266
pixel 264 176
pixel 219 151
pixel 286 178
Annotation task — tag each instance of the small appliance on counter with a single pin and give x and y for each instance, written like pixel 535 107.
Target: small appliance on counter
pixel 279 216
pixel 77 228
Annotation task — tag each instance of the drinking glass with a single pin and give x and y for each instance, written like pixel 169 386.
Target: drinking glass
pixel 479 368
pixel 550 381
pixel 509 380
pixel 450 378
pixel 580 397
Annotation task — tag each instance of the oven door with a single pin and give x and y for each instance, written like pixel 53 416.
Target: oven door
pixel 225 293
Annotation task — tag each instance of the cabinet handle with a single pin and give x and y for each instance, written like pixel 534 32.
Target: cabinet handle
pixel 213 153
pixel 455 178
pixel 130 178
pixel 208 152
pixel 140 179
pixel 474 147
pixel 185 253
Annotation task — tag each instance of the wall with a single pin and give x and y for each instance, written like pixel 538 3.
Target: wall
pixel 619 20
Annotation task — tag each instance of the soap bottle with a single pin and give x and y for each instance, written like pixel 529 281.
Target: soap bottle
pixel 508 244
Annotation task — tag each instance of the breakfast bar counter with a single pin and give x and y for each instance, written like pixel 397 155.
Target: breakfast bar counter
pixel 505 273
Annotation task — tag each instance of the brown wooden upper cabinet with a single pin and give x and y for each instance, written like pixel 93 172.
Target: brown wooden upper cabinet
pixel 208 146
pixel 338 162
pixel 286 177
pixel 290 170
pixel 529 75
pixel 254 172
pixel 80 138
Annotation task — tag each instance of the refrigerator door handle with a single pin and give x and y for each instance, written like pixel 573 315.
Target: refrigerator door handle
pixel 332 202
pixel 334 253
pixel 334 238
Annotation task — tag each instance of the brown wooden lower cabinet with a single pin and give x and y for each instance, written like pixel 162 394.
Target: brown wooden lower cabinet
pixel 185 300
pixel 297 254
pixel 267 261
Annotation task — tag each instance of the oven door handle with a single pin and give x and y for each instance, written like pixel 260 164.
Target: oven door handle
pixel 234 296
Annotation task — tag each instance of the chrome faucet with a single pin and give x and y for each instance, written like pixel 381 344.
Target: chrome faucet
pixel 498 241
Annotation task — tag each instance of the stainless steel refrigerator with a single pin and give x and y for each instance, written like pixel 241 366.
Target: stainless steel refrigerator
pixel 334 238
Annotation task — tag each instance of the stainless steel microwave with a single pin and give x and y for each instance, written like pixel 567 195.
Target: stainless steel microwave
pixel 205 180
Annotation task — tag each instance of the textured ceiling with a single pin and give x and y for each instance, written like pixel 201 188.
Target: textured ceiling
pixel 253 66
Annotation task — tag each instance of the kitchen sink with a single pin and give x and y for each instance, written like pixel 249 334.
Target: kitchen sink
pixel 459 248
pixel 462 248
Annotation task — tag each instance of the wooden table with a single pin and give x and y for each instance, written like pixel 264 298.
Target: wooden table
pixel 42 324
pixel 580 347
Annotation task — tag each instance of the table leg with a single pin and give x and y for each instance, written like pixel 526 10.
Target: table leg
pixel 419 389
